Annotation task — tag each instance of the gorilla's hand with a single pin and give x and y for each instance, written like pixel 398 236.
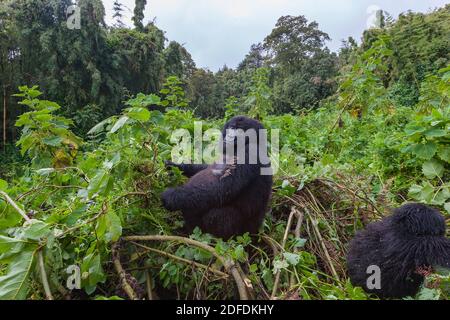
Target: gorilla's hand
pixel 170 164
pixel 168 199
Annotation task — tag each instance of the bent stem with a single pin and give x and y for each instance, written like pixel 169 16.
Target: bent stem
pixel 122 274
pixel 228 263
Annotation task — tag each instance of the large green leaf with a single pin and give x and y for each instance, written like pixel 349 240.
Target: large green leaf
pixel 444 153
pixel 432 169
pixel 101 183
pixel 137 113
pixel 9 217
pixel 3 185
pixel 425 151
pixel 99 126
pixel 53 141
pixel 7 244
pixel 447 207
pixel 435 133
pixel 425 192
pixel 441 196
pixel 109 227
pixel 35 230
pixel 92 268
pixel 15 284
pixel 119 124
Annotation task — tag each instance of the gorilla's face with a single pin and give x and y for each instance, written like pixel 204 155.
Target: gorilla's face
pixel 240 126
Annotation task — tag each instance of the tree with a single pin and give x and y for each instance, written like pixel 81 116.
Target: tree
pixel 259 99
pixel 347 51
pixel 293 41
pixel 178 61
pixel 254 59
pixel 118 9
pixel 139 58
pixel 304 68
pixel 202 94
pixel 139 14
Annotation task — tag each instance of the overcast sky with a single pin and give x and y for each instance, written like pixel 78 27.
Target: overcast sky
pixel 218 32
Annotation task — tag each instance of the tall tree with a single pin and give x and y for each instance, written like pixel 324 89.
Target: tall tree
pixel 293 41
pixel 138 17
pixel 254 59
pixel 118 9
pixel 178 61
pixel 304 68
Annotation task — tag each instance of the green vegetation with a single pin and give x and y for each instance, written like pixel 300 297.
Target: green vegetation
pixel 88 171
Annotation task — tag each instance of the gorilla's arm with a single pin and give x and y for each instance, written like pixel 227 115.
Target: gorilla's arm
pixel 212 194
pixel 188 170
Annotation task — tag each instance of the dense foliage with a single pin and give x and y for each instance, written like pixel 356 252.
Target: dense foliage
pixel 94 166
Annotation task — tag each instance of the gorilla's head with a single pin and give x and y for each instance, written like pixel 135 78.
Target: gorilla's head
pixel 240 126
pixel 419 220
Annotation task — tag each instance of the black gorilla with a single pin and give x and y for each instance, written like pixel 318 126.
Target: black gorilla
pixel 229 197
pixel 412 237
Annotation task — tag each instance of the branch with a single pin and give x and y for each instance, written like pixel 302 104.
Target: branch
pixel 44 278
pixel 122 275
pixel 324 248
pixel 228 263
pixel 88 221
pixel 297 234
pixel 283 244
pixel 187 261
pixel 340 115
pixel 14 205
pixel 148 281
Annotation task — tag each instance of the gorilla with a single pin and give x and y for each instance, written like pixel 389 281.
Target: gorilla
pixel 413 237
pixel 229 197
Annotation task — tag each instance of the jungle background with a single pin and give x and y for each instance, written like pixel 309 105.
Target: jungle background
pixel 85 129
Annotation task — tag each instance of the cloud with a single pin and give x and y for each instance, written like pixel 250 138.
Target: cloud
pixel 219 32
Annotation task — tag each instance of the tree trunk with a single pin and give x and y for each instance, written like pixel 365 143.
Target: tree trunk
pixel 4 119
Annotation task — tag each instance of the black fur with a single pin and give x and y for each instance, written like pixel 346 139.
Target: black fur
pixel 412 237
pixel 222 199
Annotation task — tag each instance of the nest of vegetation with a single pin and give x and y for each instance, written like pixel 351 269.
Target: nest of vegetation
pixel 327 214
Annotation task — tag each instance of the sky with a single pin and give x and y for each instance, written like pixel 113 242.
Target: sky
pixel 219 32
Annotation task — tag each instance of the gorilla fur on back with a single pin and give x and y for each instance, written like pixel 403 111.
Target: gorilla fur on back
pixel 412 237
pixel 224 199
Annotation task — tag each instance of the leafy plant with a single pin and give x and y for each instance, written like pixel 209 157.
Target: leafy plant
pixel 45 136
pixel 258 101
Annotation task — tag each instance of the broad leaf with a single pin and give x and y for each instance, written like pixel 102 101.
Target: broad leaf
pixel 444 153
pixel 119 124
pixel 98 127
pixel 14 285
pixel 35 230
pixel 109 227
pixel 435 133
pixel 54 141
pixel 447 207
pixel 45 171
pixel 432 169
pixel 292 258
pixel 141 114
pixel 3 185
pixel 425 151
pixel 11 244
